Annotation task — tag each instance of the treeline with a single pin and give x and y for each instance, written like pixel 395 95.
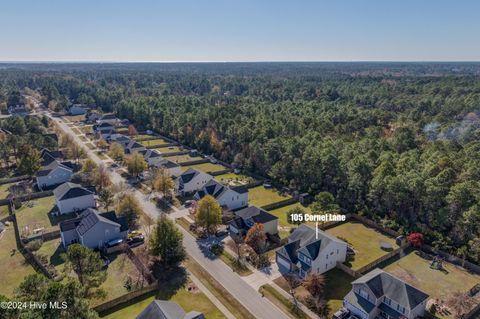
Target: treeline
pixel 396 142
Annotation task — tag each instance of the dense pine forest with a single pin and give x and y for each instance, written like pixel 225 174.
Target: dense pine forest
pixel 397 142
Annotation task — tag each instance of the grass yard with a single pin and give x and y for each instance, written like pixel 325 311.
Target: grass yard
pixel 138 137
pixel 416 270
pixel 281 302
pixel 281 213
pixel 14 267
pixel 90 145
pixel 182 297
pixel 234 179
pixel 158 141
pixel 74 118
pixel 119 268
pixel 86 129
pixel 53 249
pixel 3 211
pixel 4 190
pixel 365 242
pixel 169 149
pixel 76 131
pixel 183 159
pixel 209 167
pixel 35 214
pixel 261 196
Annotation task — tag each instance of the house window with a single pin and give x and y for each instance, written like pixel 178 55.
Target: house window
pixel 338 251
pixel 387 301
pixel 326 256
pixel 326 266
pixel 400 308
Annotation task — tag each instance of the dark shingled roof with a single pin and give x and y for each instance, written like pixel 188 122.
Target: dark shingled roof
pixel 110 116
pixel 69 224
pixel 70 190
pixel 257 214
pixel 89 218
pixel 50 167
pixel 160 309
pixel 188 175
pixel 359 302
pixel 384 284
pixel 240 189
pixel 289 251
pixel 169 164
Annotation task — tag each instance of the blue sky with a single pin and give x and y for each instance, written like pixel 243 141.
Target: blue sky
pixel 241 30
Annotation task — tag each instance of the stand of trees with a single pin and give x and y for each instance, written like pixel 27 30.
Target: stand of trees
pixel 398 142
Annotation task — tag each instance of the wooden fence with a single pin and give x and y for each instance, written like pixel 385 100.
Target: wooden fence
pixel 160 145
pixel 225 171
pixel 14 179
pixel 365 269
pixel 279 204
pixel 201 161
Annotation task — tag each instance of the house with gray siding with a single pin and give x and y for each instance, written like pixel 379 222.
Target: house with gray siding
pixel 93 229
pixel 379 294
pixel 249 216
pixel 54 173
pixel 231 198
pixel 71 197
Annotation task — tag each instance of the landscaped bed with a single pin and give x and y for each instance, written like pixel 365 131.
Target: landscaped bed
pixel 415 270
pixel 234 179
pixel 4 190
pixel 14 267
pixel 182 297
pixel 365 242
pixel 261 196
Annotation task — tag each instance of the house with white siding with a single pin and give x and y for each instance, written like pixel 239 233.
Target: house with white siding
pixel 172 167
pixel 153 157
pixel 190 181
pixel 309 249
pixel 71 197
pixel 93 229
pixel 379 294
pixel 54 173
pixel 231 198
pixel 133 147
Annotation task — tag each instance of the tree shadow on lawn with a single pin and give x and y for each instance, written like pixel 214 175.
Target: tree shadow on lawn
pixel 205 246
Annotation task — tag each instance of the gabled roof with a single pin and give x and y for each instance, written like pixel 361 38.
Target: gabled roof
pixel 304 240
pixel 119 138
pixel 104 125
pixel 46 170
pixel 110 116
pixel 188 175
pixel 70 190
pixel 160 309
pixel 89 218
pixel 382 283
pixel 258 215
pixel 152 154
pixel 133 145
pixel 168 164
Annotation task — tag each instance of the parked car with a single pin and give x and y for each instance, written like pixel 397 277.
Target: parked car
pixel 135 240
pixel 221 233
pixel 342 313
pixel 114 242
pixel 134 233
pixel 188 203
pixel 267 184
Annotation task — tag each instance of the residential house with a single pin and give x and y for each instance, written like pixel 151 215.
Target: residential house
pixel 309 249
pixel 18 110
pixel 93 229
pixel 172 167
pixel 49 156
pixel 247 217
pixel 153 157
pixel 231 198
pixel 120 139
pixel 54 173
pixel 92 116
pixel 77 109
pixel 109 118
pixel 104 130
pixel 71 197
pixel 191 181
pixel 161 309
pixel 379 294
pixel 133 147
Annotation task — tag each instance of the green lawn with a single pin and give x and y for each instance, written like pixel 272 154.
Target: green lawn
pixel 119 268
pixel 261 196
pixel 281 213
pixel 14 268
pixel 138 137
pixel 438 284
pixel 90 145
pixel 280 301
pixel 338 285
pixel 189 301
pixel 74 118
pixel 86 129
pixel 158 141
pixel 365 242
pixel 4 190
pixel 169 149
pixel 3 211
pixel 53 249
pixel 209 167
pixel 34 215
pixel 234 179
pixel 183 159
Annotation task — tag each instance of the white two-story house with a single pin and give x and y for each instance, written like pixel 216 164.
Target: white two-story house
pixel 191 181
pixel 231 198
pixel 309 249
pixel 71 197
pixel 380 294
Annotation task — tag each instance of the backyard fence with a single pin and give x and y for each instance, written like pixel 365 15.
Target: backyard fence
pixel 373 224
pixel 452 259
pixel 201 161
pixel 225 171
pixel 14 179
pixel 126 299
pixel 175 154
pixel 348 270
pixel 365 269
pixel 139 265
pixel 159 145
pixel 279 204
pixel 254 184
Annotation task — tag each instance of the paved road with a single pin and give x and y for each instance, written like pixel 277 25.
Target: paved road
pixel 260 307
